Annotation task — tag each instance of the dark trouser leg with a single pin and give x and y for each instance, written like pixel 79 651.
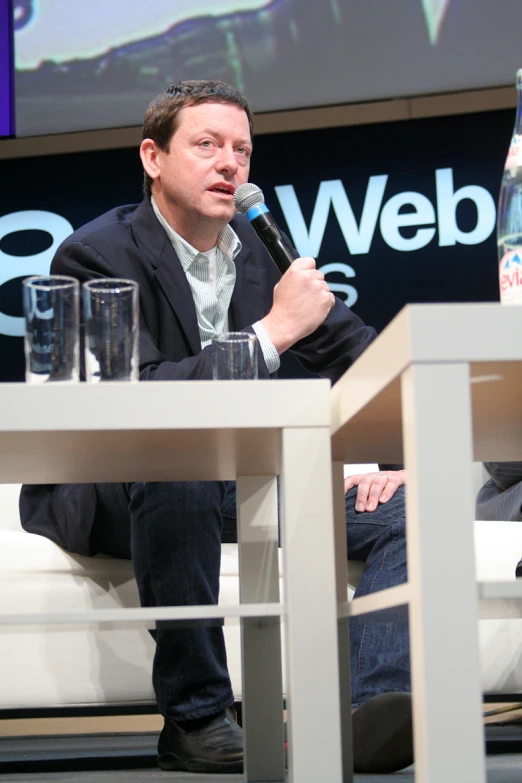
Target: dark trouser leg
pixel 380 653
pixel 173 530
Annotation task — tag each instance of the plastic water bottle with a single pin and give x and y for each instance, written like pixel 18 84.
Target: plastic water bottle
pixel 509 220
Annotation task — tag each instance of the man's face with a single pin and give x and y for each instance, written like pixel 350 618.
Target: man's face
pixel 208 158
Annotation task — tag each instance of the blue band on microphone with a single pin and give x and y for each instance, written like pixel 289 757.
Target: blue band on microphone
pixel 258 209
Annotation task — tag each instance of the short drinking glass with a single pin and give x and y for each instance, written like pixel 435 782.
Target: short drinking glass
pixel 111 330
pixel 235 356
pixel 51 307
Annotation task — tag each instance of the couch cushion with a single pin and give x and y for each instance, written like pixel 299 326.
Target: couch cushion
pixel 498 548
pixel 9 514
pixel 56 666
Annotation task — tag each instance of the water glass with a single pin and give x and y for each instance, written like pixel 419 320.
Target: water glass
pixel 235 356
pixel 111 330
pixel 51 308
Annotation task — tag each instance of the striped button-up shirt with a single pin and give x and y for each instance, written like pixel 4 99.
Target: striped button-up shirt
pixel 212 276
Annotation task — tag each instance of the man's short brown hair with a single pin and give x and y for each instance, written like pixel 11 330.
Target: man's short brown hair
pixel 162 116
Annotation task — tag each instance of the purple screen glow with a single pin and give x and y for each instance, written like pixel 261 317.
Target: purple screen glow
pixel 6 69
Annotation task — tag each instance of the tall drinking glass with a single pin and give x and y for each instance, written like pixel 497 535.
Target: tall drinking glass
pixel 111 330
pixel 235 356
pixel 51 307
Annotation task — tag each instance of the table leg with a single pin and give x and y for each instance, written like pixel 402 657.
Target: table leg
pixel 312 662
pixel 260 638
pixel 343 623
pixel 448 732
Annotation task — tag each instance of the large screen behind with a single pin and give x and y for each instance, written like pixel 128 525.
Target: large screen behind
pixel 395 213
pixel 96 64
pixel 6 69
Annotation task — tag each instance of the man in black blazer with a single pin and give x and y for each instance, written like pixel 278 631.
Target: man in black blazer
pixel 201 270
pixel 501 496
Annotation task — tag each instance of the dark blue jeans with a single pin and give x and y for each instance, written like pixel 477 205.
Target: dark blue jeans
pixel 379 651
pixel 173 532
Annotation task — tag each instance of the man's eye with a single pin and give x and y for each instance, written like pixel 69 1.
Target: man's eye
pixel 206 143
pixel 244 151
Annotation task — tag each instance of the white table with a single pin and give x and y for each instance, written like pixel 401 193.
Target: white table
pixel 252 431
pixel 440 387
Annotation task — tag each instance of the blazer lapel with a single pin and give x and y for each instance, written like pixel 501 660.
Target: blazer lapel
pixel 248 303
pixel 157 248
pixel 172 279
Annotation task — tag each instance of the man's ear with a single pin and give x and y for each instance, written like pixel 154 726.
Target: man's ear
pixel 149 154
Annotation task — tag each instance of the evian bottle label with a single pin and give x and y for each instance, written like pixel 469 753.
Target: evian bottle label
pixel 510 277
pixel 514 158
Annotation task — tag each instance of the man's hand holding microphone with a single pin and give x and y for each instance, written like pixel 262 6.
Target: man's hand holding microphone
pixel 302 301
pixel 302 298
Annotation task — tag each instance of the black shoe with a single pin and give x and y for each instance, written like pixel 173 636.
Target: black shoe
pixel 518 570
pixel 383 734
pixel 215 747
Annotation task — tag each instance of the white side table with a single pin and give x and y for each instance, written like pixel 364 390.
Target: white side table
pixel 440 387
pixel 252 431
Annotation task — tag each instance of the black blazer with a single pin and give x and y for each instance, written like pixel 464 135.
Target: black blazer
pixel 501 496
pixel 129 242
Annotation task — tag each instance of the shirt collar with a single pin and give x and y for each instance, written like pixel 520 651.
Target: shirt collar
pixel 228 241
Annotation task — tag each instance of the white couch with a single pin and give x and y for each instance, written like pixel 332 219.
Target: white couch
pixel 53 667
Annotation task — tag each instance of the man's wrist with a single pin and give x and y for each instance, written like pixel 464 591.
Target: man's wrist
pixel 281 340
pixel 268 349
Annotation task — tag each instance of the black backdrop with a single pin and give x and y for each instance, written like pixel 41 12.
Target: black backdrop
pixel 80 186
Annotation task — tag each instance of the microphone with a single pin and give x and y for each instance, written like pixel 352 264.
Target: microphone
pixel 250 201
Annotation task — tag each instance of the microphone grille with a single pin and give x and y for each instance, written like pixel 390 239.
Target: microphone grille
pixel 247 196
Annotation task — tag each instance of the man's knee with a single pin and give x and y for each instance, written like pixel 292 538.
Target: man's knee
pixel 393 512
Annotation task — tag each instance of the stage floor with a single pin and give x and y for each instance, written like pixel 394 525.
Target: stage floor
pixel 131 758
pixel 500 769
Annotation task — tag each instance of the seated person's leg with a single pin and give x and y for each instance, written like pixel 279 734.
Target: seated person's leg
pixel 380 660
pixel 173 531
pixel 382 726
pixel 229 530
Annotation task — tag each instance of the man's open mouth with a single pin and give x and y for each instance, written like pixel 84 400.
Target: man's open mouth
pixel 228 190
